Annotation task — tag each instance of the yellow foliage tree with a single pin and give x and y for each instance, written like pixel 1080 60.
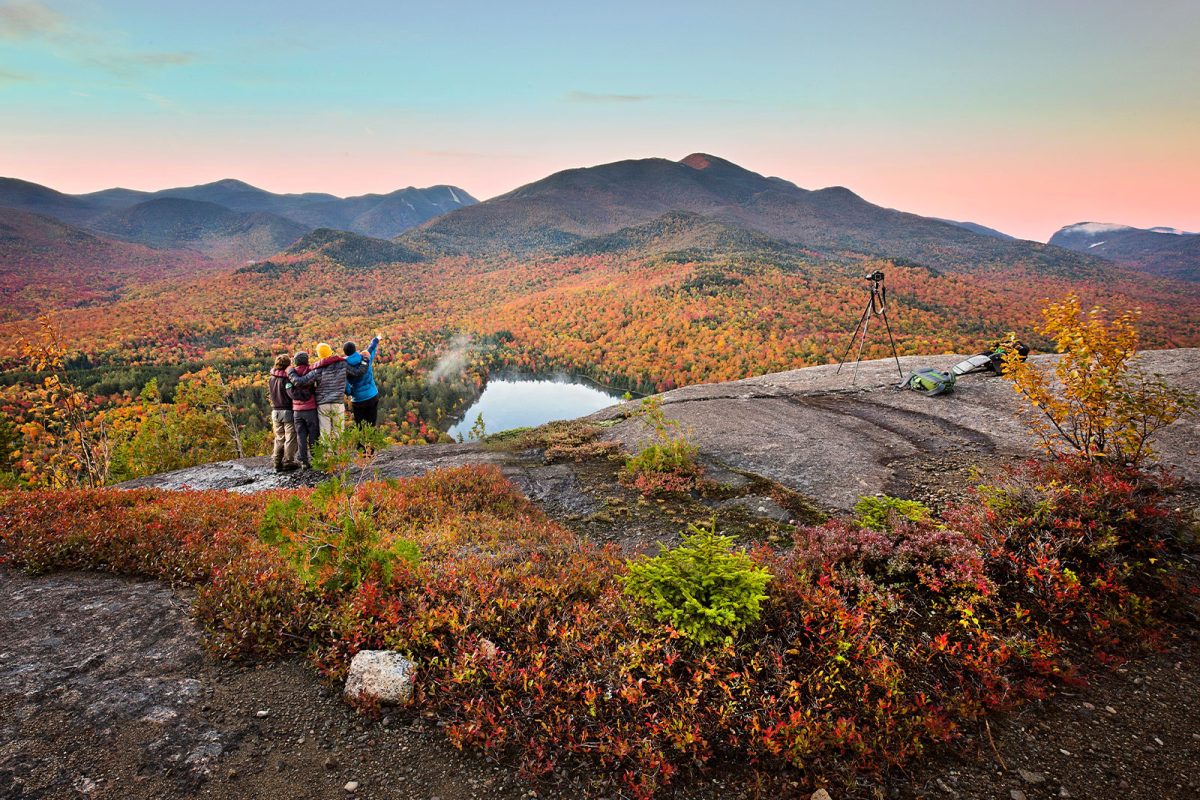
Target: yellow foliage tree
pixel 1096 405
pixel 61 447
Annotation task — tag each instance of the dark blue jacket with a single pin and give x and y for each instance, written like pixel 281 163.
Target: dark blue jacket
pixel 361 387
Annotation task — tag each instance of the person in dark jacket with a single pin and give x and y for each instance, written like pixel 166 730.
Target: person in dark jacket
pixel 304 407
pixel 329 376
pixel 360 382
pixel 282 420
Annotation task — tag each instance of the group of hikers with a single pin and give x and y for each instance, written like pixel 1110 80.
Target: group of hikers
pixel 308 400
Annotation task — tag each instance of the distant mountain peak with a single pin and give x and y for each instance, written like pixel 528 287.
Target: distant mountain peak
pixel 705 161
pixel 232 183
pixel 1164 251
pixel 698 161
pixel 1095 227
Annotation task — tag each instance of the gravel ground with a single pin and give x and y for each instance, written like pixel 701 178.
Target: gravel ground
pixel 105 692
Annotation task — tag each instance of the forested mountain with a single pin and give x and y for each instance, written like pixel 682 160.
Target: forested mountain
pixel 1159 251
pixel 38 199
pixel 340 248
pixel 46 264
pixel 975 227
pixel 210 228
pixel 556 213
pixel 128 212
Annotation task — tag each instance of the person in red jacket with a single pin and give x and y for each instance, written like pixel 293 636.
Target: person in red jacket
pixel 282 420
pixel 304 407
pixel 329 377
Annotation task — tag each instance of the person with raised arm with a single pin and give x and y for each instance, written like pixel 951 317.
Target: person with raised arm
pixel 360 382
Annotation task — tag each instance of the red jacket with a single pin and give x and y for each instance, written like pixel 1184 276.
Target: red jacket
pixel 304 397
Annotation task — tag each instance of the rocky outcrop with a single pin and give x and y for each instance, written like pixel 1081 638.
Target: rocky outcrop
pixel 835 437
pixel 113 656
pixel 831 437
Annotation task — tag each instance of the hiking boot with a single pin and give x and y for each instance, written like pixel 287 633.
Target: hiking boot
pixel 279 466
pixel 291 466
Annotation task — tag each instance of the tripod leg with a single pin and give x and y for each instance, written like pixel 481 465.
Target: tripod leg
pixel 861 320
pixel 888 325
pixel 861 342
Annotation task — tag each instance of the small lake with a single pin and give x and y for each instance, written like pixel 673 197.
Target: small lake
pixel 519 403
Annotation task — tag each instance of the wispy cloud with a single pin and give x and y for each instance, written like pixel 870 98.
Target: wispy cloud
pixel 158 100
pixel 131 65
pixel 578 96
pixel 31 20
pixel 8 76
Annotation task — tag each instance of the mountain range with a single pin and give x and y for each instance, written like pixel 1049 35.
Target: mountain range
pixel 651 273
pixel 229 219
pixel 699 205
pixel 1160 251
pixel 562 212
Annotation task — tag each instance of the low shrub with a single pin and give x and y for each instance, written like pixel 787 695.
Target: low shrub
pixel 1075 541
pixel 869 645
pixel 663 468
pixel 571 440
pixel 1095 405
pixel 702 588
pixel 666 465
pixel 882 512
pixel 331 540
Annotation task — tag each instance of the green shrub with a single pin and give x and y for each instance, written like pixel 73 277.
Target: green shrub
pixel 677 456
pixel 357 444
pixel 667 465
pixel 881 513
pixel 702 588
pixel 331 539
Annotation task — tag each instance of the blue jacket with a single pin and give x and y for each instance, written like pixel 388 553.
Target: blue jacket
pixel 362 388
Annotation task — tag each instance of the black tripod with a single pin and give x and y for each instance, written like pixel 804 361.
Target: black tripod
pixel 876 307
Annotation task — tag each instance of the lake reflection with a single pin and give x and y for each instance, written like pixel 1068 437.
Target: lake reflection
pixel 508 404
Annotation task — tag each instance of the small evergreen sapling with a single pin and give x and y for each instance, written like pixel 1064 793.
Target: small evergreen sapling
pixel 702 588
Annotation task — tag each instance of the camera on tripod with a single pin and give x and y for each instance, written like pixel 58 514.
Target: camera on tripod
pixel 876 307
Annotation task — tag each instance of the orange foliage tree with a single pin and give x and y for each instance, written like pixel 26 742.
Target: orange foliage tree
pixel 1097 406
pixel 60 446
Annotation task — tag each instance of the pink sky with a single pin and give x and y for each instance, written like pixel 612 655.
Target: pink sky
pixel 1024 116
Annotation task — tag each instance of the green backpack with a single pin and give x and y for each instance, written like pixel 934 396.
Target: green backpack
pixel 929 381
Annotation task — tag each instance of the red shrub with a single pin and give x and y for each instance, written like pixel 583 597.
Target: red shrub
pixel 870 645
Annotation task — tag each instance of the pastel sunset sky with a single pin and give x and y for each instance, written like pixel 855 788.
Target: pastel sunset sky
pixel 1017 114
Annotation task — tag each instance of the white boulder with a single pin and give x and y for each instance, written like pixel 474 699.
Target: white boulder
pixel 384 676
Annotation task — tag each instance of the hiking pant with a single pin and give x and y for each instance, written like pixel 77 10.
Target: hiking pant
pixel 366 411
pixel 284 428
pixel 307 432
pixel 333 418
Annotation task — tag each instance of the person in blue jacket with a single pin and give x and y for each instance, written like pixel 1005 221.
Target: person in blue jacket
pixel 360 382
